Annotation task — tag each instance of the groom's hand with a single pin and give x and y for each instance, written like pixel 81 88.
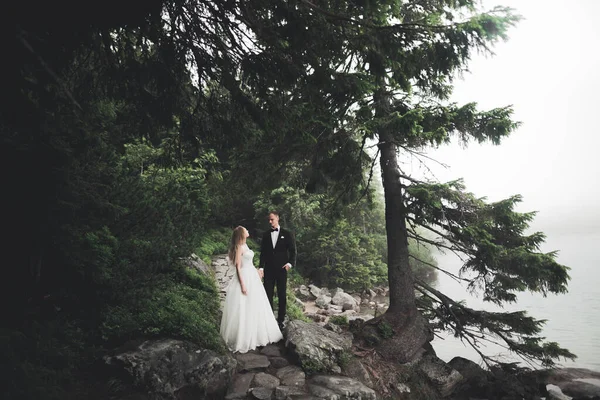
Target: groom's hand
pixel 287 266
pixel 261 273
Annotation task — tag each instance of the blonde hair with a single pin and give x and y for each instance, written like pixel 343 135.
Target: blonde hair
pixel 237 237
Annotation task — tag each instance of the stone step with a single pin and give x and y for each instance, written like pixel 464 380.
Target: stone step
pixel 291 376
pixel 252 362
pixel 262 379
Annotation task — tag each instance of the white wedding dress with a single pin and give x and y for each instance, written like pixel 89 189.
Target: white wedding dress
pixel 248 320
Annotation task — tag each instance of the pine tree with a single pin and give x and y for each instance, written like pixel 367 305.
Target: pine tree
pixel 384 70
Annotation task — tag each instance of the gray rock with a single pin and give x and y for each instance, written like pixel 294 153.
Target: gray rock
pixel 170 369
pixel 315 291
pixel 341 298
pixel 271 350
pixel 572 382
pixel 291 376
pixel 568 374
pixel 554 393
pixel 402 387
pixel 339 387
pixel 355 369
pixel 283 392
pixel 337 290
pixel 333 327
pixel 252 362
pixel 261 393
pixel 265 380
pixel 581 389
pixel 474 377
pixel 279 362
pixel 441 375
pixel 304 293
pixel 317 348
pixel 322 301
pixel 350 306
pixel 240 386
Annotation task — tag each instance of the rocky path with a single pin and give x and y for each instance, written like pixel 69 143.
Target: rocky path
pixel 272 372
pixel 223 274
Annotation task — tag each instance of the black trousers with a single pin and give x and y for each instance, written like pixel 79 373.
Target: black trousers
pixel 279 279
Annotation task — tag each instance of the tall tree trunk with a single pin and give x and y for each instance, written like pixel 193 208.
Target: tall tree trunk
pixel 411 332
pixel 400 278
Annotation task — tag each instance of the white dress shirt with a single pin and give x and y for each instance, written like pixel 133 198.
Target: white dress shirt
pixel 274 236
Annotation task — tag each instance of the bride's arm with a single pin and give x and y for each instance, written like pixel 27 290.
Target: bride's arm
pixel 238 268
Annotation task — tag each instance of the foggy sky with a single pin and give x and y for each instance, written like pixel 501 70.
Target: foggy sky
pixel 549 70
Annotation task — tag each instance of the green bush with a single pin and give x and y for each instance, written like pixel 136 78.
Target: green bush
pixel 184 308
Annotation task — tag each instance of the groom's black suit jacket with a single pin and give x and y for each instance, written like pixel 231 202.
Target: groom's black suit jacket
pixel 273 259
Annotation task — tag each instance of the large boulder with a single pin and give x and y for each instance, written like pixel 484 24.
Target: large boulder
pixel 497 383
pixel 174 369
pixel 476 381
pixel 345 301
pixel 574 382
pixel 317 349
pixel 303 293
pixel 582 389
pixel 314 291
pixel 440 375
pixel 323 301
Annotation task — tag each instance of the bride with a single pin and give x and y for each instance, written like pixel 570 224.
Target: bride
pixel 248 320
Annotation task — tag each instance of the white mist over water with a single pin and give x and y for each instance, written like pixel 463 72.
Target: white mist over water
pixel 573 319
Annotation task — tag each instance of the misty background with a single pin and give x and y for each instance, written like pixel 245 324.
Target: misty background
pixel 549 70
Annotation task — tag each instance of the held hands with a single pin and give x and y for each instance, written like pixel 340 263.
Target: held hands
pixel 261 273
pixel 287 266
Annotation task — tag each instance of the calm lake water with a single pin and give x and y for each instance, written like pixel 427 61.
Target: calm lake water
pixel 573 318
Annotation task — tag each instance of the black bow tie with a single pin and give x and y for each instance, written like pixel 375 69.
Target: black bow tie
pixel 274 229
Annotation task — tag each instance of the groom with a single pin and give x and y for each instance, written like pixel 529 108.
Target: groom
pixel 277 256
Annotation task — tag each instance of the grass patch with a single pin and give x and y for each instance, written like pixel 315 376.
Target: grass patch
pixel 212 242
pixel 340 320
